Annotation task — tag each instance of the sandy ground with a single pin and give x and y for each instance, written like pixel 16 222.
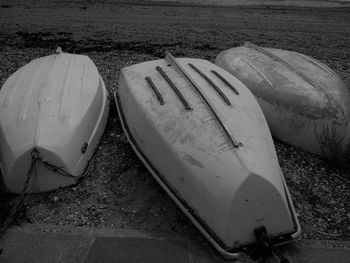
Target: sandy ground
pixel 119 192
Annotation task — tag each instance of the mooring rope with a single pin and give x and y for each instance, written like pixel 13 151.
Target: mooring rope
pixel 16 208
pixel 20 200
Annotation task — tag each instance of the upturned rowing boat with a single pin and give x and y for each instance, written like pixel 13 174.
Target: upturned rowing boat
pixel 202 135
pixel 305 103
pixel 52 114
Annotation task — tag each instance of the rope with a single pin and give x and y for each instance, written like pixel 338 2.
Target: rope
pixel 59 170
pixel 19 202
pixel 88 166
pixel 35 157
pixel 49 166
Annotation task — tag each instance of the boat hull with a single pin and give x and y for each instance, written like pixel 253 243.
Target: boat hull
pixel 305 103
pixel 57 106
pixel 188 157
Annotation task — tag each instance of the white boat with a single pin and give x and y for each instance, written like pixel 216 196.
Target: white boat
pixel 202 135
pixel 305 103
pixel 53 110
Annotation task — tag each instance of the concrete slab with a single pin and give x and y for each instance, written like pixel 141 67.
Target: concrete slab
pixel 137 250
pixel 299 3
pixel 53 244
pixel 301 253
pixel 202 252
pixel 29 247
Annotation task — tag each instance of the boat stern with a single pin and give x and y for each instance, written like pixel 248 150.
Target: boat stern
pixel 259 204
pixel 44 177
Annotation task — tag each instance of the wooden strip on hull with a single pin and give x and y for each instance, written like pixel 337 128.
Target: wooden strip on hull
pixel 305 103
pixel 57 105
pixel 226 192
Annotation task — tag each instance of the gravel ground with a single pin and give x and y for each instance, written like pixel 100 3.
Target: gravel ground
pixel 118 191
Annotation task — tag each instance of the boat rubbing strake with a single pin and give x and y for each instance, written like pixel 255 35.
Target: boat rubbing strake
pixel 53 110
pixel 305 103
pixel 202 135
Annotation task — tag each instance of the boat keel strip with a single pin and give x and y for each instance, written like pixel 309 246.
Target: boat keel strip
pixel 173 61
pixel 225 81
pixel 176 90
pixel 297 72
pixel 217 89
pixel 155 90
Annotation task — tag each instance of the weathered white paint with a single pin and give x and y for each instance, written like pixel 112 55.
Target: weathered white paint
pixel 54 104
pixel 227 192
pixel 305 103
